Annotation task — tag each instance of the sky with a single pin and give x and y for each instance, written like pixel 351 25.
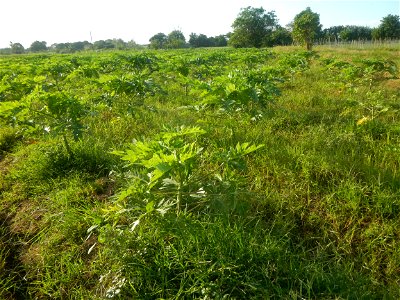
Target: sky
pixel 57 21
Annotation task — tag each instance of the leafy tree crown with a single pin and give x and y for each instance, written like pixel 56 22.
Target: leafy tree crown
pixel 306 26
pixel 252 26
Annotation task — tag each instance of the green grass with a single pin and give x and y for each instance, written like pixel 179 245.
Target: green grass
pixel 312 214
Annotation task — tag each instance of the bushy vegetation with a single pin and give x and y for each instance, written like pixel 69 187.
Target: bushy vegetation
pixel 226 173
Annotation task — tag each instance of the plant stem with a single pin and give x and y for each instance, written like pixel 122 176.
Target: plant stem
pixel 178 201
pixel 179 195
pixel 67 147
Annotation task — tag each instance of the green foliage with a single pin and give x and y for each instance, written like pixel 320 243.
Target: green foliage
pixel 280 37
pixel 17 48
pixel 389 28
pixel 176 40
pixel 60 113
pixel 201 40
pixel 252 27
pixel 346 33
pixel 247 91
pixel 9 137
pixel 37 46
pixel 244 173
pixel 103 44
pixel 306 26
pixel 167 162
pixel 70 47
pixel 355 33
pixel 138 86
pixel 366 71
pixel 233 158
pixel 158 41
pixel 54 113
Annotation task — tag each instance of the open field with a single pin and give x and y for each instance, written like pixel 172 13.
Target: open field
pixel 205 174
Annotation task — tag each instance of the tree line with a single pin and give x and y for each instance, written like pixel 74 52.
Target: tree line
pixel 253 27
pixel 176 39
pixel 41 46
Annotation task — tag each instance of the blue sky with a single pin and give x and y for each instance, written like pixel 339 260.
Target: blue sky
pixel 56 21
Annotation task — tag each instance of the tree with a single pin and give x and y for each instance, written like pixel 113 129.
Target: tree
pixel 158 41
pixel 220 41
pixel 353 33
pixel 388 29
pixel 4 51
pixel 61 47
pixel 103 44
pixel 197 41
pixel 306 27
pixel 202 40
pixel 176 40
pixel 119 44
pixel 332 33
pixel 37 46
pixel 80 46
pixel 280 37
pixel 252 27
pixel 17 48
pixel 133 45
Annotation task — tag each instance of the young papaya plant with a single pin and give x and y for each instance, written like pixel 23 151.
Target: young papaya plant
pixel 165 164
pixel 131 87
pixel 246 91
pixel 233 158
pixel 229 175
pixel 63 114
pixel 232 161
pixel 40 112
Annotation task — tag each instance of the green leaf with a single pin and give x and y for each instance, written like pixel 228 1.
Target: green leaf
pixel 150 207
pixel 180 132
pixel 246 148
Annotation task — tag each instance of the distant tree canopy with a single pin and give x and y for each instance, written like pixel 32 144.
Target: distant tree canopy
pixel 347 33
pixel 198 41
pixel 220 40
pixel 103 44
pixel 253 28
pixel 118 44
pixel 37 46
pixel 17 48
pixel 79 46
pixel 201 40
pixel 71 47
pixel 306 27
pixel 388 29
pixel 174 40
pixel 158 41
pixel 352 33
pixel 332 33
pixel 280 37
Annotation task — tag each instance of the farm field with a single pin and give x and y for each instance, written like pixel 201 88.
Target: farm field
pixel 204 174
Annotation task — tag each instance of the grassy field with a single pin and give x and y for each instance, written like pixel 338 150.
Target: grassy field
pixel 204 174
